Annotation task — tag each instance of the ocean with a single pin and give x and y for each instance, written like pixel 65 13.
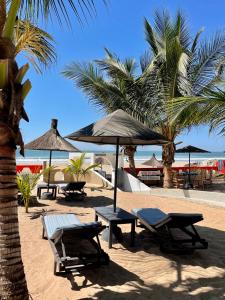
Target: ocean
pixel 140 156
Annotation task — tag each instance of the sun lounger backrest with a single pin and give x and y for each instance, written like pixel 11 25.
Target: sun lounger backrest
pixel 152 218
pixel 184 220
pixel 52 222
pixel 83 230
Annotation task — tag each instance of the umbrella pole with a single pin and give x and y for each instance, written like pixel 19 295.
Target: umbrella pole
pixel 189 169
pixel 116 175
pixel 50 163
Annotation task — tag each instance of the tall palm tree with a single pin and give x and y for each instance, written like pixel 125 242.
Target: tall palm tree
pixel 109 84
pixel 174 66
pixel 13 91
pixel 181 66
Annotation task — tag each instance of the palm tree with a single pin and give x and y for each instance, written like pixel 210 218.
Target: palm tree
pixel 110 84
pixel 180 67
pixel 14 38
pixel 174 66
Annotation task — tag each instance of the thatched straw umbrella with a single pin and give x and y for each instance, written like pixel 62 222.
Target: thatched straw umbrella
pixel 153 162
pixel 52 141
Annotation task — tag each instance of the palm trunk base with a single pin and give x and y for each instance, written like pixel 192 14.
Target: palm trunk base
pixel 12 278
pixel 168 177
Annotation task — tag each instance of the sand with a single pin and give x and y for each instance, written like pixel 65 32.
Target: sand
pixel 141 272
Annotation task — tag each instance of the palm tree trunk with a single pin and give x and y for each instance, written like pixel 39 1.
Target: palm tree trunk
pixel 168 159
pixel 2 15
pixel 12 278
pixel 130 151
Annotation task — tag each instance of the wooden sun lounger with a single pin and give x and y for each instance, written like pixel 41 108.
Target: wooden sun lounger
pixel 73 243
pixel 73 190
pixel 175 232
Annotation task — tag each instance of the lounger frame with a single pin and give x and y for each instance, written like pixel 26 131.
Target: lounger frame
pixel 169 242
pixel 64 263
pixel 73 190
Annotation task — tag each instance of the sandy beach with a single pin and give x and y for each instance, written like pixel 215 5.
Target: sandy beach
pixel 140 272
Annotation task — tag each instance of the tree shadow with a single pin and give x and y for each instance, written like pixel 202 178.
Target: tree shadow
pixel 103 276
pixel 159 292
pixel 190 281
pixel 146 241
pixel 38 213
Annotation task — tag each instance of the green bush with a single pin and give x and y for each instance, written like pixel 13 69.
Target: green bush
pixel 76 167
pixel 26 182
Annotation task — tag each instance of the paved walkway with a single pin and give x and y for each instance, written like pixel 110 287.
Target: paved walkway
pixel 207 197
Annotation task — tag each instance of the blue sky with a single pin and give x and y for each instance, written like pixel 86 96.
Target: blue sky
pixel 118 27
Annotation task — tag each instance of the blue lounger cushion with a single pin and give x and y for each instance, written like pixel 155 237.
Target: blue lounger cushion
pixel 153 217
pixel 55 225
pixel 60 230
pixel 53 222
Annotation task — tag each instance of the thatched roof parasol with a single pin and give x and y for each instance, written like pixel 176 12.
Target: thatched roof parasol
pixel 153 162
pixel 52 141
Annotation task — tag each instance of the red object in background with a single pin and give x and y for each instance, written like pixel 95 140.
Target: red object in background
pixel 221 166
pixel 176 168
pixel 33 168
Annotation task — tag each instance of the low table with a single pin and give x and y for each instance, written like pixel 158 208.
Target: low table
pixel 52 187
pixel 113 218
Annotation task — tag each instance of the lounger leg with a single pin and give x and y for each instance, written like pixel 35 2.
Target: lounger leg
pixel 96 217
pixel 55 267
pixel 43 233
pixel 110 235
pixel 132 240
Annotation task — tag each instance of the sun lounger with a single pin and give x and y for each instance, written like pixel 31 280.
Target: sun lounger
pixel 73 190
pixel 73 243
pixel 175 232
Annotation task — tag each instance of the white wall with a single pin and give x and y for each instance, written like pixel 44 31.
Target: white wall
pixel 129 183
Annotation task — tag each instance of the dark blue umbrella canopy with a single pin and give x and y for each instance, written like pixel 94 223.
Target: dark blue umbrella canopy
pixel 191 149
pixel 118 125
pixel 118 128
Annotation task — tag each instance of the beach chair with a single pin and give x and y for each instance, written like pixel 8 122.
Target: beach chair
pixel 75 245
pixel 73 190
pixel 175 232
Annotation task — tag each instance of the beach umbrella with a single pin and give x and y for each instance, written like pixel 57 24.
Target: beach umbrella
pixel 190 149
pixel 118 128
pixel 153 162
pixel 52 141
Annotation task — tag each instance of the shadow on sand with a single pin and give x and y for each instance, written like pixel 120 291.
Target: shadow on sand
pixel 204 286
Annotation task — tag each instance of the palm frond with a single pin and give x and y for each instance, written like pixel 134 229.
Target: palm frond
pixel 33 10
pixel 150 38
pixel 210 55
pixel 195 40
pixel 181 30
pixel 145 60
pixel 207 109
pixel 36 43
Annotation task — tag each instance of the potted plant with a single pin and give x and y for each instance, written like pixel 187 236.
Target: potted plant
pixel 77 169
pixel 26 182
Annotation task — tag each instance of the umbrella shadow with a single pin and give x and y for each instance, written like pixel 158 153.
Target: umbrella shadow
pixel 88 202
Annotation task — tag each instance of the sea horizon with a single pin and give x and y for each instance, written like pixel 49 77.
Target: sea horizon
pixel 140 155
